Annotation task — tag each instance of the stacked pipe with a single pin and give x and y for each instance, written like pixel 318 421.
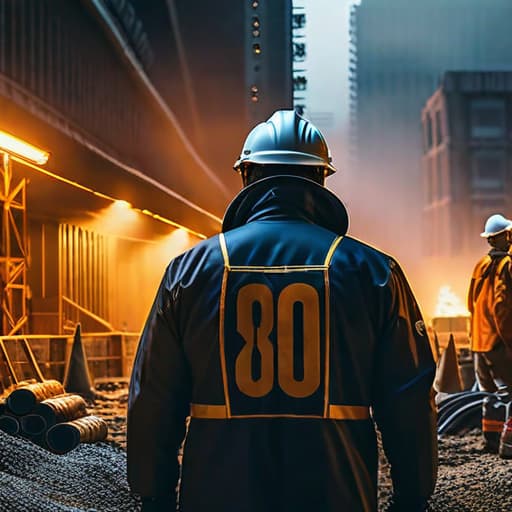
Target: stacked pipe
pixel 459 411
pixel 44 413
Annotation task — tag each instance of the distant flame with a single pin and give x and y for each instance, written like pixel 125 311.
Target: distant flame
pixel 449 304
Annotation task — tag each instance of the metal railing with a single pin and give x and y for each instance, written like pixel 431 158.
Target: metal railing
pixel 84 257
pixel 36 356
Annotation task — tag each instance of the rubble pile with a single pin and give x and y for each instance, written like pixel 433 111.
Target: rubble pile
pixel 471 479
pixel 110 402
pixel 90 478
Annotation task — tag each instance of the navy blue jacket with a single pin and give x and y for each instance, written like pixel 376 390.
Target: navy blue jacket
pixel 284 340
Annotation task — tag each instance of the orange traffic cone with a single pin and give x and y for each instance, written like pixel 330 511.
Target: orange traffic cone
pixel 76 376
pixel 448 379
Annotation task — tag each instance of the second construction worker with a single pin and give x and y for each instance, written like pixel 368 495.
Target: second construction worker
pixel 490 306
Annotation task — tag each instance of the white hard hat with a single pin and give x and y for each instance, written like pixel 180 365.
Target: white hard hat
pixel 286 139
pixel 495 225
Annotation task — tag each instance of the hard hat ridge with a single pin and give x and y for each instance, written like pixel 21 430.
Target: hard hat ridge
pixel 286 138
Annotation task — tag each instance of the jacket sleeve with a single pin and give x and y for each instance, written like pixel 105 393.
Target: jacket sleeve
pixel 403 406
pixel 503 302
pixel 469 301
pixel 158 403
pixel 470 307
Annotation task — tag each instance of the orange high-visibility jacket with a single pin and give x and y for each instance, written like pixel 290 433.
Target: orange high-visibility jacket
pixel 490 302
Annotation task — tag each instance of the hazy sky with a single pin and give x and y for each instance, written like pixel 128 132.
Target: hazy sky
pixel 327 51
pixel 327 71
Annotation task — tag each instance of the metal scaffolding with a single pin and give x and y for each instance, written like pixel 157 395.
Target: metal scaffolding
pixel 13 251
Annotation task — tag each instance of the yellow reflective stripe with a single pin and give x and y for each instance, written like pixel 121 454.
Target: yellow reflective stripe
pixel 281 268
pixel 330 253
pixel 222 353
pixel 327 334
pixel 492 425
pixel 502 263
pixel 276 268
pixel 336 412
pixel 224 249
pixel 349 412
pixel 208 411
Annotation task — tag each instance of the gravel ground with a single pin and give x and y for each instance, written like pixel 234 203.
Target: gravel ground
pixel 91 478
pixel 471 480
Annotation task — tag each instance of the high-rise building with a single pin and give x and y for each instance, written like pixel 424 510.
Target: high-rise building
pixel 467 128
pixel 319 50
pixel 400 49
pixel 143 107
pixel 222 67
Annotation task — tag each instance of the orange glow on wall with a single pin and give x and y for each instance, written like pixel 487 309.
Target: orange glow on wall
pixel 121 205
pixel 120 202
pixel 116 219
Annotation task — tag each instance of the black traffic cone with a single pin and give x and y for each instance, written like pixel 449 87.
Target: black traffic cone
pixel 436 350
pixel 76 376
pixel 447 379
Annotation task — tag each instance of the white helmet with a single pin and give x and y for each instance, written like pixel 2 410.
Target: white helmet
pixel 286 139
pixel 495 225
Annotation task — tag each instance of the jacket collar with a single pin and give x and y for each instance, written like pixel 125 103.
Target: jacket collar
pixel 497 253
pixel 287 197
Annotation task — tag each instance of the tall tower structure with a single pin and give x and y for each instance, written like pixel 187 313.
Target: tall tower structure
pixel 221 66
pixel 467 128
pixel 268 58
pixel 401 49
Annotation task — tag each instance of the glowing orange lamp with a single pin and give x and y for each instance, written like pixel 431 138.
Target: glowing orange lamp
pixel 12 145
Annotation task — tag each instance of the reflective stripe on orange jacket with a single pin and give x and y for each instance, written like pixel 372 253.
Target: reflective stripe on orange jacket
pixel 490 302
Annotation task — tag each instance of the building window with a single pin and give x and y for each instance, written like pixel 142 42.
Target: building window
pixel 428 133
pixel 487 118
pixel 440 177
pixel 298 21
pixel 299 52
pixel 488 172
pixel 439 128
pixel 300 83
pixel 429 182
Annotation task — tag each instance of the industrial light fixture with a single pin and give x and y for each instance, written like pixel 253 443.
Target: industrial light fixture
pixel 120 203
pixel 17 147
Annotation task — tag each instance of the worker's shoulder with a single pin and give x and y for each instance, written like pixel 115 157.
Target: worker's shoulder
pixel 203 254
pixel 354 258
pixel 505 264
pixel 361 251
pixel 483 265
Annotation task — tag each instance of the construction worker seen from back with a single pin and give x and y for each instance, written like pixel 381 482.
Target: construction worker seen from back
pixel 285 340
